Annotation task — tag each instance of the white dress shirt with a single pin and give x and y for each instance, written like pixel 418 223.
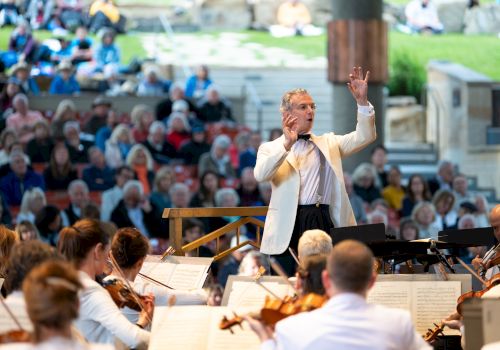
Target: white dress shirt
pixel 101 321
pixel 347 322
pixel 56 343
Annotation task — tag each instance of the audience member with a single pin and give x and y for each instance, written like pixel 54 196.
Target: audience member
pixel 205 196
pixel 65 111
pixel 461 190
pixel 60 171
pixel 152 84
pixel 48 223
pixel 394 192
pixel 213 108
pixel 160 196
pixel 39 13
pixel 77 146
pixel 21 71
pixel 33 201
pixel 357 205
pixel 7 138
pixel 140 161
pixel 179 195
pixel 105 14
pixel 81 46
pixel 10 90
pixel 416 192
pixel 9 13
pixel 101 107
pixel 178 130
pixel 408 230
pixel 142 118
pixel 176 93
pixel 446 216
pixel 215 293
pixel 218 159
pixel 135 210
pixel 364 179
pixel 40 147
pixel 248 190
pixel 293 18
pixel 78 193
pixel 379 161
pixel 64 82
pixel 23 119
pixel 106 52
pixel 422 17
pixel 198 83
pixel 444 177
pixel 482 214
pixel 424 216
pixel 98 176
pixel 191 150
pixel 104 132
pixel 19 179
pixel 231 265
pixel 112 197
pixel 314 242
pixel 248 157
pixel 118 146
pixel 22 43
pixel 161 151
pixel 252 262
pixel 69 12
pixel 27 231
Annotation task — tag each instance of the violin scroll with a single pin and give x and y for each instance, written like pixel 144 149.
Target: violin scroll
pixel 433 334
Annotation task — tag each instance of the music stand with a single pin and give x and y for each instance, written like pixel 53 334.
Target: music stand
pixel 364 233
pixel 468 237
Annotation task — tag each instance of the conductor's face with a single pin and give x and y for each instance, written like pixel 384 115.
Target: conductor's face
pixel 303 108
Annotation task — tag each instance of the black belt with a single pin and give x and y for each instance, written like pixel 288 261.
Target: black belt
pixel 313 206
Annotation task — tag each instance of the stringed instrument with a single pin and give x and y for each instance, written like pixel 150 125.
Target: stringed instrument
pixel 492 282
pixel 121 294
pixel 15 336
pixel 433 334
pixel 275 310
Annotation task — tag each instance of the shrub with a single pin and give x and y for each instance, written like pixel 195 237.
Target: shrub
pixel 406 75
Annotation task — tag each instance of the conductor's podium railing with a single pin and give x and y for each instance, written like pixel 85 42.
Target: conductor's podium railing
pixel 246 214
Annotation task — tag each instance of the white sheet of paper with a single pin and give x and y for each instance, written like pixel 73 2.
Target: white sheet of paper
pixel 250 294
pixel 8 324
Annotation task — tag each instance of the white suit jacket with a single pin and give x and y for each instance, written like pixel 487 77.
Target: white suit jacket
pixel 280 167
pixel 348 322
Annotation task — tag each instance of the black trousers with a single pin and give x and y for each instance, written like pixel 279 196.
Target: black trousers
pixel 309 217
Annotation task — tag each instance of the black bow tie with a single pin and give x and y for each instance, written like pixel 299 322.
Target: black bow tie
pixel 304 137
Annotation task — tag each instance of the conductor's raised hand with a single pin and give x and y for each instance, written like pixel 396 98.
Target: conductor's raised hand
pixel 358 85
pixel 289 124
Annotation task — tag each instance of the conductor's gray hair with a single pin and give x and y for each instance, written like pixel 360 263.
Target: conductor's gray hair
pixel 285 100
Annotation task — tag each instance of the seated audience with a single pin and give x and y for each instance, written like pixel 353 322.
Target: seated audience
pixel 408 230
pixel 350 274
pixel 198 83
pixel 424 216
pixel 176 93
pixel 21 71
pixel 48 223
pixel 111 197
pixel 40 147
pixel 39 13
pixel 357 205
pixel 9 91
pixel 482 213
pixel 248 190
pixel 8 137
pixel 98 176
pixel 446 216
pixel 252 262
pixel 422 17
pixel 101 108
pixel 65 111
pixel 81 46
pixel 160 196
pixel 78 193
pixel 213 108
pixel 135 210
pixel 364 178
pixel 142 118
pixel 248 157
pixel 60 171
pixel 179 195
pixel 140 161
pixel 9 13
pixel 461 190
pixel 444 177
pixel 106 52
pixel 33 201
pixel 23 119
pixel 118 146
pixel 218 159
pixel 105 14
pixel 22 43
pixel 156 143
pixel 19 179
pixel 191 150
pixel 27 231
pixel 69 13
pixel 379 161
pixel 64 82
pixel 394 192
pixel 104 132
pixel 178 130
pixel 293 19
pixel 205 196
pixel 78 147
pixel 152 84
pixel 87 246
pixel 416 192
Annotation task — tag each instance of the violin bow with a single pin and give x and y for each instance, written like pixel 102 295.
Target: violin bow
pixel 257 278
pixel 11 314
pixel 472 272
pixel 294 256
pixel 279 270
pixel 127 283
pixel 151 279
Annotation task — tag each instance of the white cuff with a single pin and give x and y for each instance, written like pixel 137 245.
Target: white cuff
pixel 366 110
pixel 269 344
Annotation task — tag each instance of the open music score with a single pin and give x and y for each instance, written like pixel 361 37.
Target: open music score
pixel 178 272
pixel 197 328
pixel 427 301
pixel 19 311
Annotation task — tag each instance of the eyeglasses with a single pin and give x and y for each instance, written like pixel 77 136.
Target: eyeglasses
pixel 304 106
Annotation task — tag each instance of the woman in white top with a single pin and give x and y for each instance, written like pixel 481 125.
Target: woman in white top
pixel 87 246
pixel 129 249
pixel 51 294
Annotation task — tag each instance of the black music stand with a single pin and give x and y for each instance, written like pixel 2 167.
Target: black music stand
pixel 483 236
pixel 364 233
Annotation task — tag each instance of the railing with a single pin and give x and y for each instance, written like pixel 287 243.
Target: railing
pixel 175 216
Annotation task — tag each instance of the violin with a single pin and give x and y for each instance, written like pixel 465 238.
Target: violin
pixel 121 294
pixel 433 334
pixel 492 282
pixel 275 310
pixel 495 260
pixel 15 336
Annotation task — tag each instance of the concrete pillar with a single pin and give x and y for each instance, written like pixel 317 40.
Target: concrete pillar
pixel 357 36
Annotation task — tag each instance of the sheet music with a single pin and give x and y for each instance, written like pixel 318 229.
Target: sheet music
pixel 19 311
pixel 428 301
pixel 181 273
pixel 197 328
pixel 250 294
